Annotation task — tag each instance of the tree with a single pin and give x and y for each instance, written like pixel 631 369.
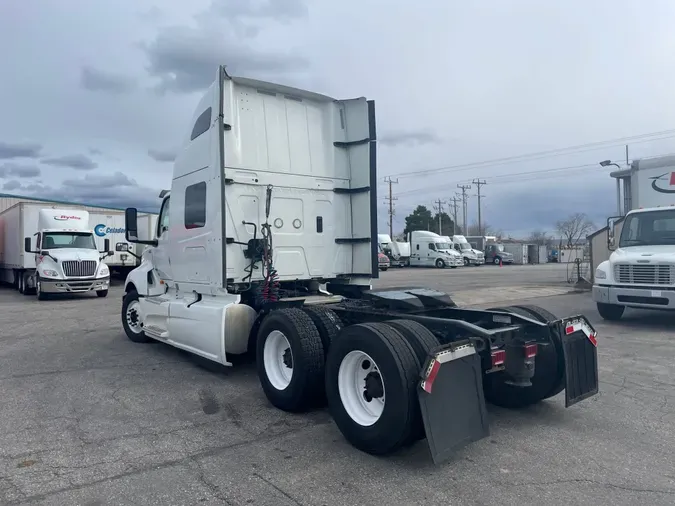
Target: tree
pixel 419 219
pixel 573 228
pixel 540 238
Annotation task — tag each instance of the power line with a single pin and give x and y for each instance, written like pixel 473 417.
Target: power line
pixel 391 199
pixel 635 139
pixel 464 188
pixel 478 184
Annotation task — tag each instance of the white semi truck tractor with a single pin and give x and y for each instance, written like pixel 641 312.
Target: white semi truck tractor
pixel 45 251
pixel 267 243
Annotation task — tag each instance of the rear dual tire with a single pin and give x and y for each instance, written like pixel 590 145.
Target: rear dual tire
pixel 549 369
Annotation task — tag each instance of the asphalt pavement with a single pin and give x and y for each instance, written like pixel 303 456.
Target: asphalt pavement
pixel 89 418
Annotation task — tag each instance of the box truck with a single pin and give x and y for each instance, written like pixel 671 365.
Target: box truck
pixel 267 243
pixel 47 250
pixel 640 271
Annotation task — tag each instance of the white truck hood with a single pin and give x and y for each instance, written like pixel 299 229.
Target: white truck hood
pixel 655 254
pixel 63 254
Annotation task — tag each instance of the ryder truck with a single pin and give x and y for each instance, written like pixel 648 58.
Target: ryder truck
pixel 267 242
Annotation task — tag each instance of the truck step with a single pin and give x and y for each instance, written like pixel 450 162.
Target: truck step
pixel 156 332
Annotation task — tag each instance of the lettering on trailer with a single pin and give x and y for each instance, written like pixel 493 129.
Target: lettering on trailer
pixel 101 230
pixel 65 217
pixel 669 177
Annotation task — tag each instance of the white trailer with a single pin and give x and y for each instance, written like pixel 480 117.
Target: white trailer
pixel 110 225
pixel 47 250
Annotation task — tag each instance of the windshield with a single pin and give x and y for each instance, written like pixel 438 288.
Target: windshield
pixel 464 246
pixel 500 247
pixel 443 245
pixel 59 240
pixel 650 228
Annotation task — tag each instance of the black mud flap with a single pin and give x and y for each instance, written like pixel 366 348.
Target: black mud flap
pixel 580 349
pixel 451 399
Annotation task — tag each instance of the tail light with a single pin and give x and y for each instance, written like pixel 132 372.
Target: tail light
pixel 530 350
pixel 498 357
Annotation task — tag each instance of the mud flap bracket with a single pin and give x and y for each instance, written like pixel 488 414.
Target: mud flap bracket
pixel 451 399
pixel 580 350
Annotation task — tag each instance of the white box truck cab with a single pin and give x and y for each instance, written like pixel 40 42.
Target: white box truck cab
pixel 66 258
pixel 428 249
pixel 267 242
pixel 640 273
pixel 469 255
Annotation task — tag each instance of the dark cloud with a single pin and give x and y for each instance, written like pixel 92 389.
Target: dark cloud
pixel 18 170
pixel 185 59
pixel 95 152
pixel 94 79
pixel 19 150
pixel 409 138
pixel 109 190
pixel 11 185
pixel 77 162
pixel 167 155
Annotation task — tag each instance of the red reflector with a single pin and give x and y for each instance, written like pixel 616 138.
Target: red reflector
pixel 498 357
pixel 530 350
pixel 569 330
pixel 593 338
pixel 428 383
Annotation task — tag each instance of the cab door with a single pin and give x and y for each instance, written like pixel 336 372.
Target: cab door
pixel 160 254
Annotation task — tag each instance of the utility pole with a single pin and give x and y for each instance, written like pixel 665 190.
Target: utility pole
pixel 627 164
pixel 454 201
pixel 464 188
pixel 391 199
pixel 478 184
pixel 440 221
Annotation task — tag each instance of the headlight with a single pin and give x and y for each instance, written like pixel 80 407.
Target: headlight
pixel 50 273
pixel 600 274
pixel 103 271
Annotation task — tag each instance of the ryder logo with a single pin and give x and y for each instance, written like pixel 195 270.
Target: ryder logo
pixel 665 183
pixel 65 217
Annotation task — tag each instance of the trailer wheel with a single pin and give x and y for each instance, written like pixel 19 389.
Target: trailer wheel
pixel 131 318
pixel 549 371
pixel 371 387
pixel 327 323
pixel 610 312
pixel 19 282
pixel 290 359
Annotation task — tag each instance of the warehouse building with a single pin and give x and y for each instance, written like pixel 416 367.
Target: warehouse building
pixel 8 200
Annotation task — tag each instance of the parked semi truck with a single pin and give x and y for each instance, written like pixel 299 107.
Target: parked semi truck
pixel 640 272
pixel 470 255
pixel 397 252
pixel 267 243
pixel 51 250
pixel 428 249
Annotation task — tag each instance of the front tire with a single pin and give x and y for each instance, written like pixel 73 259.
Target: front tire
pixel 131 318
pixel 38 290
pixel 371 388
pixel 102 293
pixel 610 312
pixel 290 360
pixel 440 264
pixel 497 260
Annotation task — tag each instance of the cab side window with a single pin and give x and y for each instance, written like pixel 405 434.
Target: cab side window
pixel 202 124
pixel 432 247
pixel 195 205
pixel 163 221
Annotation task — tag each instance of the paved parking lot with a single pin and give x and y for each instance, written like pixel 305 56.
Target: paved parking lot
pixel 89 418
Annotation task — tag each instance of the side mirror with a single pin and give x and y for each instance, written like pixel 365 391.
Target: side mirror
pixel 106 246
pixel 26 245
pixel 131 224
pixel 610 234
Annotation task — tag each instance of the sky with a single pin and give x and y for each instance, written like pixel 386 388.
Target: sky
pixel 95 96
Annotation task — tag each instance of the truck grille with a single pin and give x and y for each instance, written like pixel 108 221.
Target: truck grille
pixel 79 268
pixel 644 274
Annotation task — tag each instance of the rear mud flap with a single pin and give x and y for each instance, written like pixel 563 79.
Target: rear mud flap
pixel 451 399
pixel 580 350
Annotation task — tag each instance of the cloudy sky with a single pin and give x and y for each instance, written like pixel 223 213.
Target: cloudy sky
pixel 96 95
